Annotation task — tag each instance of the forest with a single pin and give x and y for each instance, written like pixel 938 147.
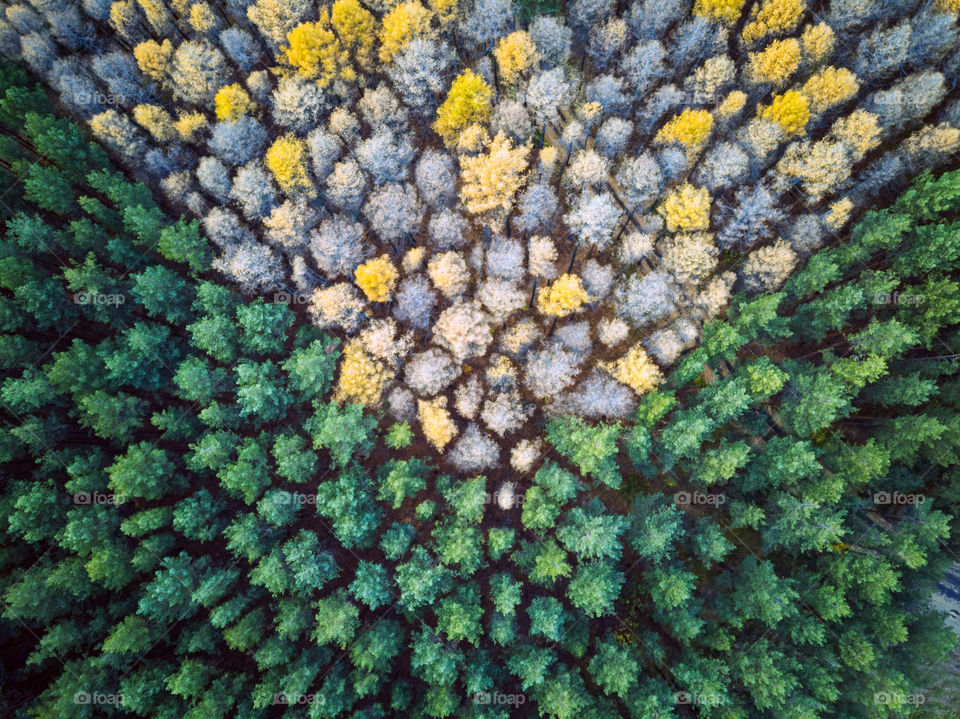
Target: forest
pixel 572 359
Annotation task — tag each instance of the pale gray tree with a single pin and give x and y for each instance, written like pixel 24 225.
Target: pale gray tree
pixel 394 211
pixel 298 105
pixel 338 246
pixel 552 39
pixel 385 156
pixel 447 230
pixel 436 178
pixel 239 141
pixel 254 191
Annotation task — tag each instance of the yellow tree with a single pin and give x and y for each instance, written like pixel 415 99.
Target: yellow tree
pixel 202 18
pixel 820 166
pixel 830 87
pixel 515 54
pixel 472 139
pixel 377 278
pixel 362 378
pixel 839 213
pixel 402 24
pixel 565 296
pixel 686 209
pixel 791 111
pixel 636 370
pixel 491 180
pixel 286 159
pixel 438 426
pixel 157 15
pixel 690 128
pixel 188 124
pixel 859 131
pixel 314 49
pixel 731 105
pixel 156 121
pixel 775 17
pixel 232 102
pixel 775 63
pixel 445 11
pixel 153 59
pixel 725 11
pixel 355 26
pixel 467 102
pixel 818 43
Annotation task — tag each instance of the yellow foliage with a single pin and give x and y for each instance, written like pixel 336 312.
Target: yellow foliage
pixel 232 102
pixel 501 371
pixel 818 42
pixel 362 378
pixel 449 273
pixel 775 16
pixel 202 18
pixel 155 11
pixel 942 139
pixel 315 51
pixel 948 5
pixel 156 121
pixel 286 159
pixel 472 140
pixel 377 278
pixel 589 113
pixel 515 54
pixel 402 24
pixel 686 209
pixel 445 11
pixel 725 11
pixel 467 102
pixel 839 213
pixel 548 158
pixel 188 124
pixel 791 111
pixel 830 87
pixel 564 296
pixel 437 425
pixel 690 128
pixel 355 26
pixel 732 104
pixel 636 370
pixel 490 180
pixel 821 166
pixel 859 130
pixel 775 63
pixel 153 58
pixel 412 259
